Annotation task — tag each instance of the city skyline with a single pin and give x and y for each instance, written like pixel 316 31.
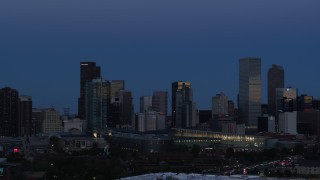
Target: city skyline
pixel 150 45
pixel 204 106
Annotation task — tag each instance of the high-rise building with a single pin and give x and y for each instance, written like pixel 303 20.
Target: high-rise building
pixel 9 112
pixel 160 102
pixel 286 99
pixel 114 113
pixel 116 86
pixel 113 109
pixel 175 87
pixel 126 108
pixel 183 107
pixel 97 94
pixel 275 80
pixel 231 109
pixel 37 120
pixel 88 72
pixel 219 105
pixel 250 92
pixel 25 116
pixel 145 103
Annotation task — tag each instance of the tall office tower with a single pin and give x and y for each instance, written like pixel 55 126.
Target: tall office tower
pixel 160 102
pixel 51 121
pixel 275 80
pixel 183 107
pixel 286 99
pixel 219 105
pixel 145 103
pixel 113 113
pixel 25 116
pixel 113 109
pixel 250 92
pixel 116 86
pixel 88 72
pixel 231 109
pixel 9 112
pixel 126 108
pixel 97 93
pixel 37 121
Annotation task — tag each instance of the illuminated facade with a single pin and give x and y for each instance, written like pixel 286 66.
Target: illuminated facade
pixel 250 92
pixel 227 140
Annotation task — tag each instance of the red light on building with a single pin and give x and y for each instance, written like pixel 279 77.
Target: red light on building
pixel 15 150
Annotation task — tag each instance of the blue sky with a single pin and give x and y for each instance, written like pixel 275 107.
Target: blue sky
pixel 152 43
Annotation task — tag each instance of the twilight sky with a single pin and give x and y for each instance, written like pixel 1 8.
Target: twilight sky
pixel 151 43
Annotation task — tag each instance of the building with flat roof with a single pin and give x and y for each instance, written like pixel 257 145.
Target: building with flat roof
pixel 250 92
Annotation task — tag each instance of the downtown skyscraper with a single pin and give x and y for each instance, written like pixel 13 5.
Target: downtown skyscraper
pixel 88 72
pixel 183 107
pixel 9 112
pixel 97 100
pixel 250 92
pixel 275 80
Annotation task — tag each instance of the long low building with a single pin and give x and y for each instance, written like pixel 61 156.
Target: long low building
pixel 157 141
pixel 246 142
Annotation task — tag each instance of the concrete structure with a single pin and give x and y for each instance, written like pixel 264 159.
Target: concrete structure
pixel 250 92
pixel 288 122
pixel 272 124
pixel 88 72
pixel 220 105
pixel 275 80
pixel 9 112
pixel 145 103
pixel 150 121
pixel 25 115
pixel 160 102
pixel 74 124
pixel 266 124
pixel 51 121
pixel 97 93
